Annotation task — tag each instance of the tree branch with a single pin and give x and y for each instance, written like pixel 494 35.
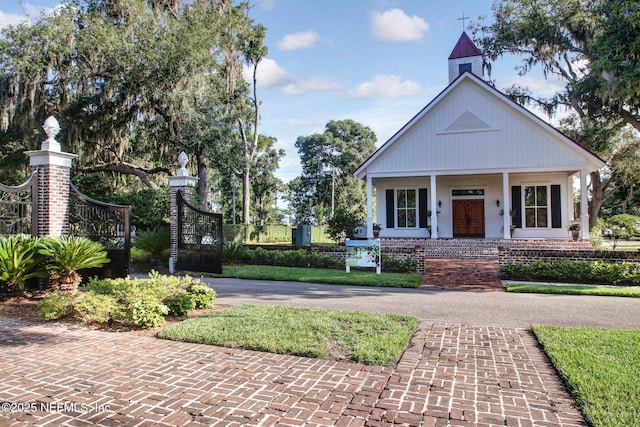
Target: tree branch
pixel 630 118
pixel 127 169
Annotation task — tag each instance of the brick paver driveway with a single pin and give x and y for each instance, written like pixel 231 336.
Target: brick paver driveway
pixel 451 375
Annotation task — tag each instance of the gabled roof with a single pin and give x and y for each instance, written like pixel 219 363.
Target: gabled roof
pixel 467 120
pixel 464 48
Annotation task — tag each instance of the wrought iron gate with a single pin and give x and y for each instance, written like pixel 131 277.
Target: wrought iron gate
pixel 199 238
pixel 104 223
pixel 19 208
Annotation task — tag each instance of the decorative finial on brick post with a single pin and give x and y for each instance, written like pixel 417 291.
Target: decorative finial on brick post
pixel 182 161
pixel 51 128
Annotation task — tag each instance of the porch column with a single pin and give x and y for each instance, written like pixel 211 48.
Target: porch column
pixel 369 207
pixel 187 184
pixel 434 208
pixel 506 207
pixel 584 206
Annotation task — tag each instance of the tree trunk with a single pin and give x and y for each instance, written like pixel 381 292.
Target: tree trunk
pixel 246 199
pixel 67 283
pixel 203 173
pixel 596 198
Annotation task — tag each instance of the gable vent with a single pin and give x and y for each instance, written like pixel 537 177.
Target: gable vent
pixel 468 122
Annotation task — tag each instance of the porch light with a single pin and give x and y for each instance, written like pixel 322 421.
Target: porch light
pixel 439 203
pixel 498 203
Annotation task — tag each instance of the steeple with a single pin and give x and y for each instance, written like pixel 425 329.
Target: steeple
pixel 465 56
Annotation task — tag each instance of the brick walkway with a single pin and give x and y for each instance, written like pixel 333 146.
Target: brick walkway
pixel 462 274
pixel 451 375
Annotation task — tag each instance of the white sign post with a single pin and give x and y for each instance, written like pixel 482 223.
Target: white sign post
pixel 363 253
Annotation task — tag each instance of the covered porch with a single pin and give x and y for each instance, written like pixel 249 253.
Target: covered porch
pixel 522 204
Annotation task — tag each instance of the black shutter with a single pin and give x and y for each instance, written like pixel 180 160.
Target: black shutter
pixel 422 207
pixel 391 211
pixel 556 207
pixel 516 205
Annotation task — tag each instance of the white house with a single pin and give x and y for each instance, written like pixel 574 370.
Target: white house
pixel 471 157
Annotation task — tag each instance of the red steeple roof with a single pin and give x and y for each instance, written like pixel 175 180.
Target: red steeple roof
pixel 464 48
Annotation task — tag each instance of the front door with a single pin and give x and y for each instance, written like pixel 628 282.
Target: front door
pixel 468 218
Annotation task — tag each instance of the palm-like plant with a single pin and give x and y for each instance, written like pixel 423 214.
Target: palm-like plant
pixel 20 260
pixel 156 241
pixel 67 255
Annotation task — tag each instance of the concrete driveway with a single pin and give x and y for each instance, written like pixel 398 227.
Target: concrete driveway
pixel 467 307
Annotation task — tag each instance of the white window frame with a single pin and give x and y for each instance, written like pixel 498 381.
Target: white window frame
pixel 536 206
pixel 396 210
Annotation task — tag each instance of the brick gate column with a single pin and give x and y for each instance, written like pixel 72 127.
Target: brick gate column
pixel 53 169
pixel 187 184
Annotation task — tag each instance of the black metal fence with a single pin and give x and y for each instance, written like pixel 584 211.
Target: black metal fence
pixel 19 208
pixel 104 223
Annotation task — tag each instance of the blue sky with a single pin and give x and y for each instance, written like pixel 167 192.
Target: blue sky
pixel 377 62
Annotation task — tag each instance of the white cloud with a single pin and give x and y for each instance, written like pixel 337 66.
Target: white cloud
pixel 297 41
pixel 318 83
pixel 299 122
pixel 269 74
pixel 386 86
pixel 30 13
pixel 7 19
pixel 266 4
pixel 395 26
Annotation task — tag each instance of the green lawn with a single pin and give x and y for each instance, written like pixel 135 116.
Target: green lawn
pixel 322 275
pixel 537 288
pixel 601 368
pixel 352 335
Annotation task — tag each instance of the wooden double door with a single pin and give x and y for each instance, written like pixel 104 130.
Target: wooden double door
pixel 468 218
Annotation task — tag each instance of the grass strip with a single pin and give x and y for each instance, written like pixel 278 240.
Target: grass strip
pixel 633 292
pixel 601 367
pixel 322 275
pixel 352 335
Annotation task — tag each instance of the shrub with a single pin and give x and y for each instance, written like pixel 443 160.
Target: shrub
pixel 55 305
pixel 139 256
pixel 233 252
pixel 98 308
pixel 614 273
pixel 144 302
pixel 622 226
pixel 146 310
pixel 595 236
pixel 294 258
pixel 399 264
pixel 179 304
pixel 342 225
pixel 201 295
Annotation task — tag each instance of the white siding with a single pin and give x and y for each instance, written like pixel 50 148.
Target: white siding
pixel 508 139
pixel 476 66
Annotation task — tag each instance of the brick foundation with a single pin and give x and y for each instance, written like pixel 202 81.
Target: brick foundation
pixel 531 255
pixel 504 251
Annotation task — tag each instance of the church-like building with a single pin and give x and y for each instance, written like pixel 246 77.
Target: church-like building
pixel 475 164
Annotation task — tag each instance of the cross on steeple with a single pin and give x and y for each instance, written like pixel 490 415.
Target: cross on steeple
pixel 463 19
